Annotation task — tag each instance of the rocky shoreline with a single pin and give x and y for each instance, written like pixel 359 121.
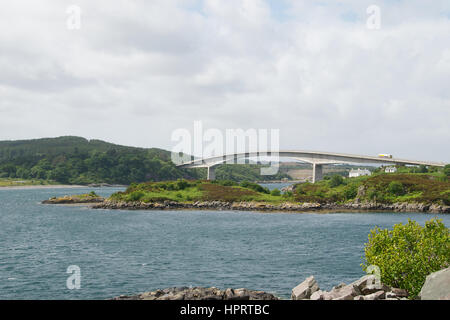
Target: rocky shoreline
pixel 200 293
pixel 367 287
pixel 261 206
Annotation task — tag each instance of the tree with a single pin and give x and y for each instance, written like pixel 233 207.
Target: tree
pixel 275 192
pixel 336 180
pixel 350 192
pixel 22 173
pixel 59 174
pixel 396 188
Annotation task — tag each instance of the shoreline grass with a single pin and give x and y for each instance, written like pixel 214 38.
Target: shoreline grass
pixel 381 188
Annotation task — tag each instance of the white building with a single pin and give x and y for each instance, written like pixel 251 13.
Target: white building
pixel 359 172
pixel 390 170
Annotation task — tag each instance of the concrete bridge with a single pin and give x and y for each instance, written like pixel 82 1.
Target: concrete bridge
pixel 316 158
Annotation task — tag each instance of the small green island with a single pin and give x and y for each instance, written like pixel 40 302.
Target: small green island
pixel 91 197
pixel 413 192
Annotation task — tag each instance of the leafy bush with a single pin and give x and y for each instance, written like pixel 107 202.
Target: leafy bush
pixel 447 170
pixel 275 192
pixel 350 192
pixel 135 196
pixel 408 253
pixel 182 184
pixel 288 194
pixel 336 180
pixel 422 169
pixel 396 188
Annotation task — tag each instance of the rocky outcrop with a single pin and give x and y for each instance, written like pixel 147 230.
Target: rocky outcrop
pixel 436 286
pixel 305 289
pixel 208 205
pixel 396 207
pixel 264 206
pixel 199 293
pixel 289 188
pixel 366 288
pixel 74 200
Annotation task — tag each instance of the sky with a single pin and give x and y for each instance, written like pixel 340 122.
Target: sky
pixel 133 72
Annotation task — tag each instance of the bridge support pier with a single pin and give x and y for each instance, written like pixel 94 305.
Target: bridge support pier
pixel 211 173
pixel 317 172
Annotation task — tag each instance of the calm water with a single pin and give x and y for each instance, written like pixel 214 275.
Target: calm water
pixel 276 185
pixel 122 252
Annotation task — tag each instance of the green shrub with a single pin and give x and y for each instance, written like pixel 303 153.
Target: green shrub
pixel 422 169
pixel 350 192
pixel 396 188
pixel 275 192
pixel 182 184
pixel 447 170
pixel 171 187
pixel 288 194
pixel 336 181
pixel 408 253
pixel 136 195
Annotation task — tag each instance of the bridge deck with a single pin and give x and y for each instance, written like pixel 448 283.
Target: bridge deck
pixel 314 157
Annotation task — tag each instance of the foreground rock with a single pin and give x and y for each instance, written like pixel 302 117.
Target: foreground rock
pixel 436 286
pixel 199 293
pixel 305 289
pixel 262 206
pixel 366 288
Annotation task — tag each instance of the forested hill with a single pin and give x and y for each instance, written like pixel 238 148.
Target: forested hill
pixel 75 160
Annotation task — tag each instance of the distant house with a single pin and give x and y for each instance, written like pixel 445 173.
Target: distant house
pixel 390 170
pixel 359 172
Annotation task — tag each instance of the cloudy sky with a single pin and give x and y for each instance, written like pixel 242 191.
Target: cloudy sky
pixel 137 70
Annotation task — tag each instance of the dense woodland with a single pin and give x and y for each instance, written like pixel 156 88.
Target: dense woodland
pixel 75 160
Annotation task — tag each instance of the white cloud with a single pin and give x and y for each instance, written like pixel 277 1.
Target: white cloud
pixel 137 70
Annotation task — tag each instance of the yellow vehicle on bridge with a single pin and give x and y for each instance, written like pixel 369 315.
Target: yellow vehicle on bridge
pixel 382 155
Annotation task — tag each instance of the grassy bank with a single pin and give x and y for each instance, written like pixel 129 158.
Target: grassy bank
pixel 198 190
pixel 381 188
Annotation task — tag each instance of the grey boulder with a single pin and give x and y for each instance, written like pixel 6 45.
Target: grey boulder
pixel 305 289
pixel 436 286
